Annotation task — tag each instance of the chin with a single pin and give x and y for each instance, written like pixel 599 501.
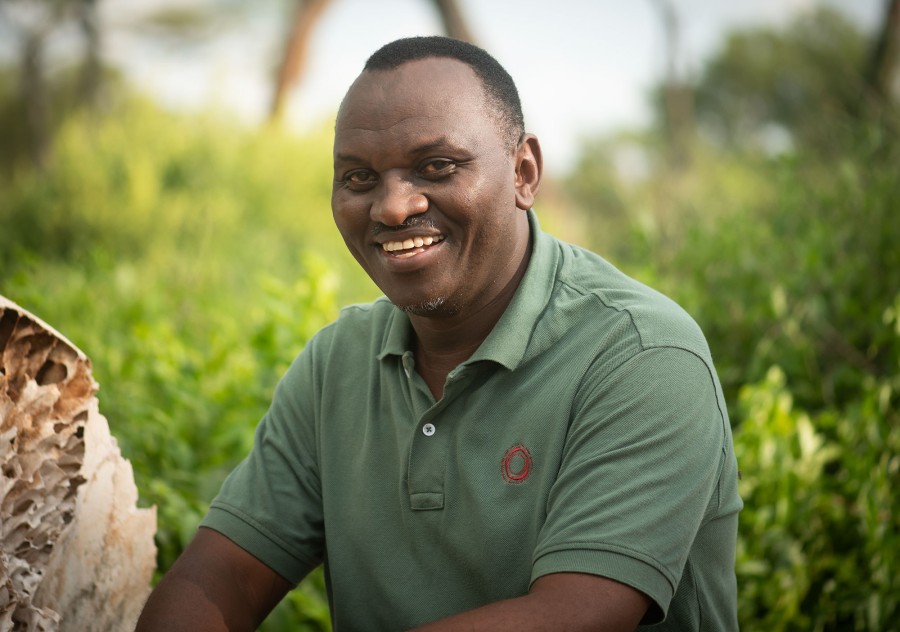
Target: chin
pixel 434 307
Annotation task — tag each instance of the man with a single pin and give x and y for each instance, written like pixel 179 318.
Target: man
pixel 518 437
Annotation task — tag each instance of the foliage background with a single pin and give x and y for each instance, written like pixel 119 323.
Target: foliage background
pixel 191 258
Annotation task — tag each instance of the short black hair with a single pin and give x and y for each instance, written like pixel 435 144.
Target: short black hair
pixel 499 87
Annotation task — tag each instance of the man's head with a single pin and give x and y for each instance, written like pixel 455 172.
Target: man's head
pixel 499 88
pixel 429 192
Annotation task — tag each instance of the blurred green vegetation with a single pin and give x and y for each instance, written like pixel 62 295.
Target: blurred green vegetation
pixel 791 266
pixel 787 255
pixel 191 258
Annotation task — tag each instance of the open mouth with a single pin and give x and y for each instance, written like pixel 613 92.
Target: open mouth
pixel 411 246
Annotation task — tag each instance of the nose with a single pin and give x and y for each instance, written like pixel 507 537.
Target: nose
pixel 397 199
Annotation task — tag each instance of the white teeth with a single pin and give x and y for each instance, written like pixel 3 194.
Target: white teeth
pixel 413 242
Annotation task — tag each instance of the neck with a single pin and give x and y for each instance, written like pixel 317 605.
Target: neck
pixel 442 344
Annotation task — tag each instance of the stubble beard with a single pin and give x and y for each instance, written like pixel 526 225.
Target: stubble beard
pixel 439 306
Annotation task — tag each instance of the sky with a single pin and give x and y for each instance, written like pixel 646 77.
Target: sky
pixel 582 66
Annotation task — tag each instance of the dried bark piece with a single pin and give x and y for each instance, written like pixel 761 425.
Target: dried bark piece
pixel 77 553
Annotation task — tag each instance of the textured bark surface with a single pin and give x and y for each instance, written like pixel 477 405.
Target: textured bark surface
pixel 76 552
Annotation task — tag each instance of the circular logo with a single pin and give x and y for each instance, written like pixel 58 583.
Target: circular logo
pixel 517 464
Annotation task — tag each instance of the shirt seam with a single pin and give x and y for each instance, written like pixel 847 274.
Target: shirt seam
pixel 608 303
pixel 638 556
pixel 263 531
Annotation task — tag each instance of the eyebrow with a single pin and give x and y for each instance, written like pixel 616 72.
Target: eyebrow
pixel 439 143
pixel 347 158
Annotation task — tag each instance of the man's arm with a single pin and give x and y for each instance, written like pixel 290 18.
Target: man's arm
pixel 214 586
pixel 563 602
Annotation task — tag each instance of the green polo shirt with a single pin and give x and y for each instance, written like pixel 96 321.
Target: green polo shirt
pixel 588 433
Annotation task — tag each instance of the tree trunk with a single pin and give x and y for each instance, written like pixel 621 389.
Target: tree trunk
pixel 455 24
pixel 307 15
pixel 293 61
pixel 34 92
pixel 92 69
pixel 884 63
pixel 678 101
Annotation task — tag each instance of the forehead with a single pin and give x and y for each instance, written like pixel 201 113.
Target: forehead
pixel 439 90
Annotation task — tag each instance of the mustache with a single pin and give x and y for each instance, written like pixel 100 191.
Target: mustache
pixel 414 221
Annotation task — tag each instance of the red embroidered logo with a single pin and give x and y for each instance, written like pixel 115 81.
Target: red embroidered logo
pixel 517 464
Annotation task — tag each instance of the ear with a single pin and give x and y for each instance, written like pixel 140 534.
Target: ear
pixel 529 167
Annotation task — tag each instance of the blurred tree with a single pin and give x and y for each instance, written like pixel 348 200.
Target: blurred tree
pixel 55 76
pixel 455 24
pixel 885 60
pixel 767 88
pixel 92 69
pixel 293 60
pixel 33 24
pixel 306 16
pixel 675 93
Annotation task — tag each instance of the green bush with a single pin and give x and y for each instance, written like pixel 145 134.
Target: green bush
pixel 805 280
pixel 191 260
pixel 820 532
pixel 791 266
pixel 196 193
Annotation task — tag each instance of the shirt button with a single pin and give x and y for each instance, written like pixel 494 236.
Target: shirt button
pixel 428 429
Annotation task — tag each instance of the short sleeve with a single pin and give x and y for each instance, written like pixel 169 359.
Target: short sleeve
pixel 639 474
pixel 271 504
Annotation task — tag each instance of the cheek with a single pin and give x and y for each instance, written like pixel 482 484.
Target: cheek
pixel 349 215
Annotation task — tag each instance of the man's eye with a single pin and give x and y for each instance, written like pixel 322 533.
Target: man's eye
pixel 437 167
pixel 360 178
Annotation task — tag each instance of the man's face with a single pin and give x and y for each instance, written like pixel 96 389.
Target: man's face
pixel 425 188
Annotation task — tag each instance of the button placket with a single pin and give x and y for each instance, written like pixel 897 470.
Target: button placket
pixel 427 461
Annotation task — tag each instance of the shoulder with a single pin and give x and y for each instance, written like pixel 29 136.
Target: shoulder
pixel 348 343
pixel 358 325
pixel 612 297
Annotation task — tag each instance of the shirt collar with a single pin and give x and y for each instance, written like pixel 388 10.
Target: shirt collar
pixel 398 338
pixel 508 341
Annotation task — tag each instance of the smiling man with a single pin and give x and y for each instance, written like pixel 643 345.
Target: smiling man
pixel 516 437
